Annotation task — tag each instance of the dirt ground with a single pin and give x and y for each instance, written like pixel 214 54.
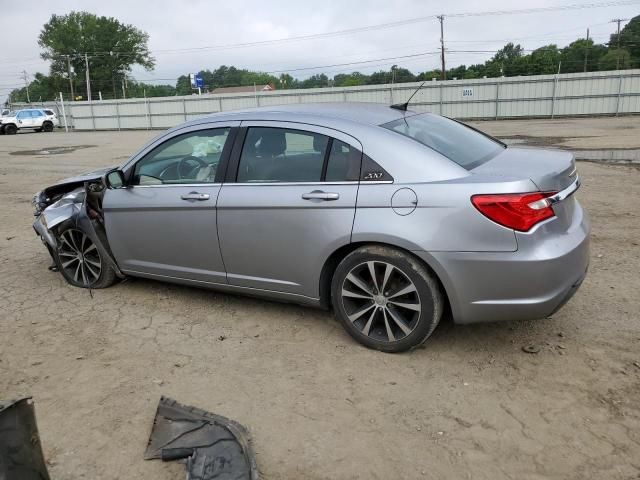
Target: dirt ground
pixel 469 405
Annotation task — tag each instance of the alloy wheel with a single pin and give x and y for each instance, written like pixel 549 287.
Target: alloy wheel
pixel 79 257
pixel 381 301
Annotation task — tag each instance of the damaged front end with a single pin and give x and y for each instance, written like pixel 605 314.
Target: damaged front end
pixel 75 202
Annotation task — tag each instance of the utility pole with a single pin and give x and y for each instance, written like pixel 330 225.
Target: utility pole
pixel 73 97
pixel 25 77
pixel 586 52
pixel 444 72
pixel 86 62
pixel 618 21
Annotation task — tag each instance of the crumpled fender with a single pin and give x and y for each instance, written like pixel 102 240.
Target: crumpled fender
pixel 72 207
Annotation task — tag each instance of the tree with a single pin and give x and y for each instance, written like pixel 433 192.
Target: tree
pixel 112 49
pixel 350 79
pixel 629 39
pixel 573 56
pixel 616 58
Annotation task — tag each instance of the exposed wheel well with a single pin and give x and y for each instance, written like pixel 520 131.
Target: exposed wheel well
pixel 329 268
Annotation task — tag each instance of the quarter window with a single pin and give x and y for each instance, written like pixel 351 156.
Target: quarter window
pixel 189 158
pixel 344 163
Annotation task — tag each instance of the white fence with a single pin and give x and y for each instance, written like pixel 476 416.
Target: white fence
pixel 573 94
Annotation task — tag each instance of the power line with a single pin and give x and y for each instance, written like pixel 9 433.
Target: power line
pixel 349 31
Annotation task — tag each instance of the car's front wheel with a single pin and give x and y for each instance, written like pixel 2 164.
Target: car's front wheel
pixel 80 262
pixel 10 129
pixel 386 299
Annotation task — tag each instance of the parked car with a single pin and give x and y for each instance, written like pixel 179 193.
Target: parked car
pixel 391 217
pixel 40 120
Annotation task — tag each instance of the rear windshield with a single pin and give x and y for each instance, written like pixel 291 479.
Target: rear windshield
pixel 459 143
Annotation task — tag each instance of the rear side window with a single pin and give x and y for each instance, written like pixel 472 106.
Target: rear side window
pixel 36 114
pixel 459 143
pixel 288 155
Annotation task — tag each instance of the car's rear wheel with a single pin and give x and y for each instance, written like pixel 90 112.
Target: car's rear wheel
pixel 80 262
pixel 386 299
pixel 47 127
pixel 10 129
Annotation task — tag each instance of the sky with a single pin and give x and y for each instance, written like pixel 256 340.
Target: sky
pixel 195 24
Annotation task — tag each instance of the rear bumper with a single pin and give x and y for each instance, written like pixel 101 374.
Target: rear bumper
pixel 530 283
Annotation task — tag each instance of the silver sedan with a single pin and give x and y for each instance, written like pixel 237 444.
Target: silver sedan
pixel 391 217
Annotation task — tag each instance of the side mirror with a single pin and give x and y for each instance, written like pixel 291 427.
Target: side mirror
pixel 115 179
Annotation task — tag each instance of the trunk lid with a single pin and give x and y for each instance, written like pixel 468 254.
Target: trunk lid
pixel 549 170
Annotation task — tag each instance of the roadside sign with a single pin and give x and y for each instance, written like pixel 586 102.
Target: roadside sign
pixel 196 81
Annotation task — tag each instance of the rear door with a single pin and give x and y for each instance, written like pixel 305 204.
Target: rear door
pixel 164 223
pixel 287 203
pixel 37 118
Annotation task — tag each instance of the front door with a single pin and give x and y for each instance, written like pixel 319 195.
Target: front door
pixel 25 120
pixel 288 202
pixel 163 224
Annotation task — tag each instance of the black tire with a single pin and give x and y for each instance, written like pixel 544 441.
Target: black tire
pixel 1 129
pixel 392 322
pixel 47 127
pixel 10 129
pixel 88 270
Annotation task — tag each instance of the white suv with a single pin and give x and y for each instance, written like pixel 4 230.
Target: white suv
pixel 38 119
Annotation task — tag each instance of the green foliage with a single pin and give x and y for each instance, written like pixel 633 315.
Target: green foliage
pixel 629 40
pixel 113 48
pixel 224 76
pixel 616 58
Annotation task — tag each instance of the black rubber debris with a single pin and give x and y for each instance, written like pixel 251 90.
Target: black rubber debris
pixel 21 455
pixel 211 446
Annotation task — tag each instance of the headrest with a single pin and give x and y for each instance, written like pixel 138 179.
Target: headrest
pixel 272 143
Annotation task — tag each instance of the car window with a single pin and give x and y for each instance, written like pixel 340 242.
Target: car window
pixel 189 158
pixel 344 163
pixel 22 115
pixel 459 143
pixel 36 114
pixel 282 155
pixel 48 112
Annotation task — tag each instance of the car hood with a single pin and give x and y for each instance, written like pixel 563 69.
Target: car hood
pixel 70 183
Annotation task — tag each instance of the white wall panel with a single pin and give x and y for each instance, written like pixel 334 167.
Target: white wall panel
pixel 594 93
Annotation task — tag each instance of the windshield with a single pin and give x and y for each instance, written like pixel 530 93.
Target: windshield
pixel 456 141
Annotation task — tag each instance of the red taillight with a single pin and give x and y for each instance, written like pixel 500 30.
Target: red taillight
pixel 520 211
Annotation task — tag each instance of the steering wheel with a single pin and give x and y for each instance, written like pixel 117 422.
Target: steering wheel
pixel 186 166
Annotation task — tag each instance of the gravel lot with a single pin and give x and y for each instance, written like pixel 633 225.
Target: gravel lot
pixel 471 404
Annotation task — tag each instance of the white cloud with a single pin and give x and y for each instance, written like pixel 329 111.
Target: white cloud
pixel 183 24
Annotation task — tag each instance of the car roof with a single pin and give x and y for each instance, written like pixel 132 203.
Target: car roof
pixel 363 113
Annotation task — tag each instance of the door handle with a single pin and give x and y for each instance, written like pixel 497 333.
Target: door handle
pixel 320 195
pixel 195 196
